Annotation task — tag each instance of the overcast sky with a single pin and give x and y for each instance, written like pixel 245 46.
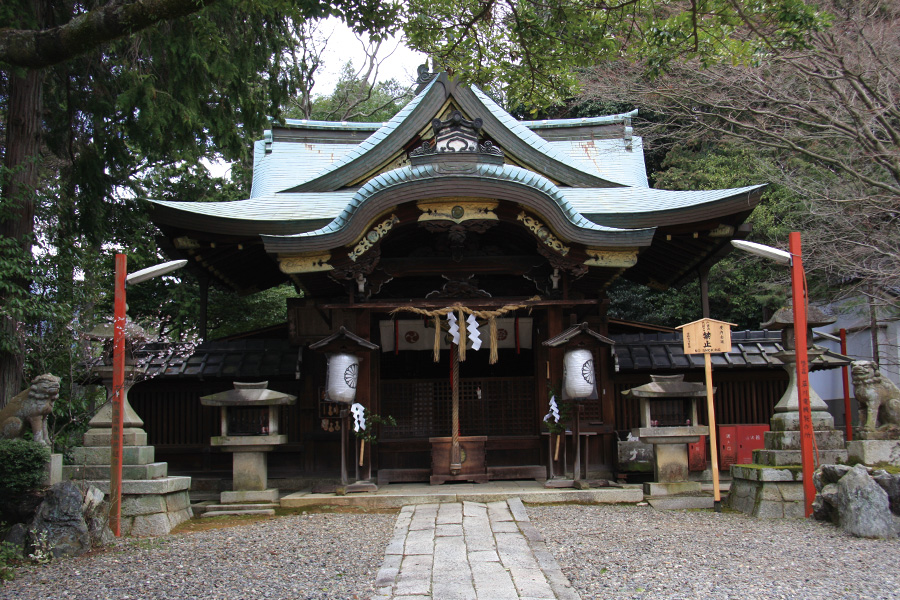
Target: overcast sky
pixel 400 62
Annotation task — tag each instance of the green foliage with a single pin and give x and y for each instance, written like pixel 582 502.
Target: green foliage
pixel 374 423
pixel 741 289
pixel 355 99
pixel 10 556
pixel 22 464
pixel 532 49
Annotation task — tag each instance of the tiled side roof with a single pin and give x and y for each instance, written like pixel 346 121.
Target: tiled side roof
pixel 250 360
pixel 665 352
pixel 290 163
pixel 371 141
pixel 609 159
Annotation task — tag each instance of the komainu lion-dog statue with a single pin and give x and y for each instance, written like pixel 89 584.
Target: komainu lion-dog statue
pixel 877 396
pixel 32 406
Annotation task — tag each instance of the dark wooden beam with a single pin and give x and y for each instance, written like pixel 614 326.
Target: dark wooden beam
pixel 445 265
pixel 474 303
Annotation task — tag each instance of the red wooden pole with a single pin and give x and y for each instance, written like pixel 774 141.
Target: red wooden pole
pixel 798 286
pixel 118 399
pixel 848 415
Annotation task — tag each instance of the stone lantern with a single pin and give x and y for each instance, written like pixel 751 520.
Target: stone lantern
pixel 668 408
pixel 783 441
pixel 249 418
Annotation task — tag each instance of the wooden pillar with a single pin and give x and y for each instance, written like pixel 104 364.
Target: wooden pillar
pixel 554 360
pixel 364 392
pixel 704 291
pixel 204 304
pixel 604 367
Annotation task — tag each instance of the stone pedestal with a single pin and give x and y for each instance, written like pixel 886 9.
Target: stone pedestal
pixel 874 453
pixel 767 492
pixel 152 502
pixel 772 487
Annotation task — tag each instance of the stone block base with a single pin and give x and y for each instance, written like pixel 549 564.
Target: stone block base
pixel 240 497
pixel 99 455
pixel 671 488
pixel 781 458
pixel 874 452
pixel 131 436
pixel 150 471
pixel 148 515
pixel 156 524
pixel 54 470
pixel 767 499
pixel 790 421
pixel 826 439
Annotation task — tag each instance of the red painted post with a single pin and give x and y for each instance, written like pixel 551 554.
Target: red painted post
pixel 798 286
pixel 118 399
pixel 848 415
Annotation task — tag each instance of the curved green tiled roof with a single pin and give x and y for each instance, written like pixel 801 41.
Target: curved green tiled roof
pixel 639 207
pixel 340 231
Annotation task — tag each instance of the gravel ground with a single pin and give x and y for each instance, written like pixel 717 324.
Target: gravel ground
pixel 638 552
pixel 317 556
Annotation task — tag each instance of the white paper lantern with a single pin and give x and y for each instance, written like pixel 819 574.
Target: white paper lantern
pixel 343 370
pixel 578 373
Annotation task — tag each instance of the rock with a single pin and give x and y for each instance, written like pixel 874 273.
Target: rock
pixel 96 517
pixel 890 484
pixel 20 508
pixel 824 504
pixel 59 517
pixel 829 474
pixel 862 506
pixel 15 535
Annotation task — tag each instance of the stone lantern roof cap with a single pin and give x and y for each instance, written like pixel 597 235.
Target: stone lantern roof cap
pixel 667 386
pixel 248 394
pixel 784 318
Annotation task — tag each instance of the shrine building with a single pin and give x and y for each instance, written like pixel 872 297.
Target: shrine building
pixel 452 207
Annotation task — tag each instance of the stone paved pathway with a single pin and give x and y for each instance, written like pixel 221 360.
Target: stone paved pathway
pixel 469 551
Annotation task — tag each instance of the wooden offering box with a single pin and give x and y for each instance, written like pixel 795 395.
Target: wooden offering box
pixel 474 467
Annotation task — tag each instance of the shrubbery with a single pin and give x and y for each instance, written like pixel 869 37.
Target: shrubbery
pixel 22 466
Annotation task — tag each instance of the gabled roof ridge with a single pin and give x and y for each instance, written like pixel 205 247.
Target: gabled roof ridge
pixel 581 121
pixel 315 124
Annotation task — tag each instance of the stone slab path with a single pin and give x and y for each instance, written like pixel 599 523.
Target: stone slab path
pixel 469 551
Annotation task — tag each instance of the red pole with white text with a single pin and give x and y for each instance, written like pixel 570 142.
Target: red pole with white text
pixel 798 284
pixel 118 399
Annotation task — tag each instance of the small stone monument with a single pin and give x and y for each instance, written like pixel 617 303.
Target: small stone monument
pixel 668 408
pixel 876 440
pixel 772 486
pixel 249 431
pixel 153 503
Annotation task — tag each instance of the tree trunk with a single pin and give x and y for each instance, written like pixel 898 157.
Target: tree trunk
pixel 23 134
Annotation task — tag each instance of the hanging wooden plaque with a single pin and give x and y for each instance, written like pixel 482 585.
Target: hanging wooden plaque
pixel 706 336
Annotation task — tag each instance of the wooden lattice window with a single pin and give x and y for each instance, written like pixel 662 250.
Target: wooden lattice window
pixel 422 408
